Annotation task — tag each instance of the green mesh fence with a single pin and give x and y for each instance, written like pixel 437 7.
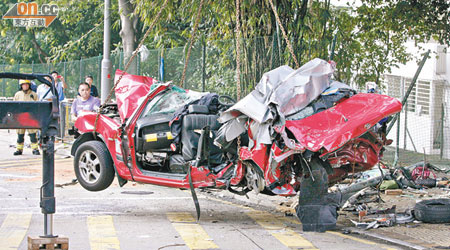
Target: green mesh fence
pixel 212 66
pixel 421 133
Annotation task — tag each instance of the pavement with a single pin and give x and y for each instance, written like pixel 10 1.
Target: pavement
pixel 8 138
pixel 415 235
pixel 142 216
pixel 412 236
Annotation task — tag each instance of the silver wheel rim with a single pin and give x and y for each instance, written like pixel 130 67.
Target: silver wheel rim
pixel 254 181
pixel 89 166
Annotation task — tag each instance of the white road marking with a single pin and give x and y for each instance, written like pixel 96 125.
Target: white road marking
pixel 13 230
pixel 102 198
pixel 17 176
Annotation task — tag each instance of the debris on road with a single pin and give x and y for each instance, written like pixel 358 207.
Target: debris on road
pixel 412 194
pixel 393 191
pixel 73 182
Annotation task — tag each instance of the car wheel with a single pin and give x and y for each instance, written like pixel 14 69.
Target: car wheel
pixel 93 166
pixel 433 211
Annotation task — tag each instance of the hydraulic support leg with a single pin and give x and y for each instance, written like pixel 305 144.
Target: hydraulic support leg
pixel 47 203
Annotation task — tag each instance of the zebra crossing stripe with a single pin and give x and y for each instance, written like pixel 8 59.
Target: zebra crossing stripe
pixel 20 160
pixel 361 240
pixel 13 230
pixel 30 162
pixel 278 230
pixel 192 233
pixel 102 234
pixel 228 203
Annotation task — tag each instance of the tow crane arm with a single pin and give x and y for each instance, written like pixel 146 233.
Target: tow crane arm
pixel 41 115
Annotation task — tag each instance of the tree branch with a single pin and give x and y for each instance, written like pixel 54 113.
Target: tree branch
pixel 37 46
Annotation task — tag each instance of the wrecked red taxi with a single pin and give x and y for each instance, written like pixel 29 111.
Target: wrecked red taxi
pixel 297 132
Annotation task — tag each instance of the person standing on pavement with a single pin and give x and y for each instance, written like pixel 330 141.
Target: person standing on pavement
pixel 89 80
pixel 84 102
pixel 60 84
pixel 26 94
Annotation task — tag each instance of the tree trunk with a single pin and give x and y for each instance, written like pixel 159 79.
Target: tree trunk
pixel 127 33
pixel 38 48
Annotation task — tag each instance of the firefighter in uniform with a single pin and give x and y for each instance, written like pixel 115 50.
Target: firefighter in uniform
pixel 26 94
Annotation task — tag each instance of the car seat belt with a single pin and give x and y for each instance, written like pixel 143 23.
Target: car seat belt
pixel 199 159
pixel 48 91
pixel 194 195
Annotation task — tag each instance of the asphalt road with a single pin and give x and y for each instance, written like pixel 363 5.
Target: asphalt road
pixel 141 216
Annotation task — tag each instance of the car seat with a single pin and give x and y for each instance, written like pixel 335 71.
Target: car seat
pixel 194 122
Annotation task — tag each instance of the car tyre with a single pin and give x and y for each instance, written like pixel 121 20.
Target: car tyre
pixel 94 166
pixel 433 211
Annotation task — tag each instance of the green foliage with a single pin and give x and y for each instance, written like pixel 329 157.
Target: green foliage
pixel 420 20
pixel 370 37
pixel 368 46
pixel 373 39
pixel 76 33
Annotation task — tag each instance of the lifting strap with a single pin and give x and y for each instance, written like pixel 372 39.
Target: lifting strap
pixel 194 195
pixel 291 50
pixel 129 63
pixel 238 66
pixel 238 51
pixel 191 42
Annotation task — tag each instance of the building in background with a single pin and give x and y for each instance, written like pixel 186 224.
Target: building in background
pixel 425 121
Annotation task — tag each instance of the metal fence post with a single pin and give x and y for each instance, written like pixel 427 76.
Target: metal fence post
pixel 203 64
pixel 406 126
pixel 161 65
pixel 99 71
pixel 442 130
pixel 81 73
pixel 272 56
pixel 62 121
pixel 184 62
pixel 3 83
pixel 397 149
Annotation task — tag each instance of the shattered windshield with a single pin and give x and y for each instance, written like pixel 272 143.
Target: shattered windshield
pixel 169 101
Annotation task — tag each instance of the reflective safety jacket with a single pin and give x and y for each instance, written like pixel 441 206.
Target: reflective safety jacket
pixel 28 95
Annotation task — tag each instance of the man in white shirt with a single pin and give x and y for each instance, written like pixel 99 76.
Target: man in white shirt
pixel 44 92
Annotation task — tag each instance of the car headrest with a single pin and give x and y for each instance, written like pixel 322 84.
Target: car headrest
pixel 198 109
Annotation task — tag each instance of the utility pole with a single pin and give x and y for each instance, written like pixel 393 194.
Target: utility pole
pixel 106 62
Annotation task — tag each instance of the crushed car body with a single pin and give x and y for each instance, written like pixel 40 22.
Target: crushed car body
pixel 298 131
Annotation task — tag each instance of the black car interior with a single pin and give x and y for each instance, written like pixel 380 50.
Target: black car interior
pixel 154 140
